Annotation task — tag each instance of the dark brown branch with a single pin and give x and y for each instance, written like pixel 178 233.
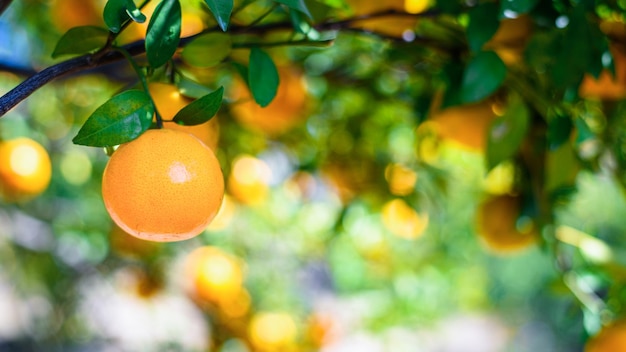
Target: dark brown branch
pixel 4 4
pixel 17 70
pixel 81 63
pixel 36 81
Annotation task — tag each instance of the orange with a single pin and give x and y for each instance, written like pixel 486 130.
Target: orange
pixel 236 305
pixel 169 101
pixel 500 227
pixel 272 331
pixel 401 179
pixel 249 179
pixel 466 125
pixel 164 186
pixel 607 87
pixel 25 169
pixel 67 14
pixel 612 338
pixel 402 220
pixel 287 110
pixel 320 329
pixel 217 277
pixel 510 40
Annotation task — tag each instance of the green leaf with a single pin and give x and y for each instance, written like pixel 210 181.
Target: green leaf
pixel 507 133
pixel 200 110
pixel 121 119
pixel 262 77
pixel 163 33
pixel 191 88
pixel 559 131
pixel 483 75
pixel 207 50
pixel 297 5
pixel 575 52
pixel 135 14
pixel 299 23
pixel 561 168
pixel 517 6
pixel 483 24
pixel 242 70
pixel 116 13
pixel 221 11
pixel 583 131
pixel 81 40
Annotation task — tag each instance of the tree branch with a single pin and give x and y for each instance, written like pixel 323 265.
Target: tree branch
pixel 81 63
pixel 36 81
pixel 4 4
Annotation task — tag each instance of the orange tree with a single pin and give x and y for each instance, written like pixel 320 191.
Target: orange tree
pixel 387 143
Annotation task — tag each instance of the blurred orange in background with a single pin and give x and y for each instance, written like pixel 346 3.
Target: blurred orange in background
pixel 500 226
pixel 273 331
pixel 25 169
pixel 287 110
pixel 214 275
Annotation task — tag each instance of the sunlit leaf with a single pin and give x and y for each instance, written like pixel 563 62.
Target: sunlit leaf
pixel 81 40
pixel 207 50
pixel 121 119
pixel 163 33
pixel 134 13
pixel 483 75
pixel 191 88
pixel 262 77
pixel 298 5
pixel 200 110
pixel 221 10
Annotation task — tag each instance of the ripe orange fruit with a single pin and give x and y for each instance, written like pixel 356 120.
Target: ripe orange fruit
pixel 214 275
pixel 499 225
pixel 169 101
pixel 25 169
pixel 284 112
pixel 272 331
pixel 465 125
pixel 163 186
pixel 611 338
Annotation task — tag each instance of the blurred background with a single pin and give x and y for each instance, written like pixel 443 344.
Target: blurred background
pixel 357 213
